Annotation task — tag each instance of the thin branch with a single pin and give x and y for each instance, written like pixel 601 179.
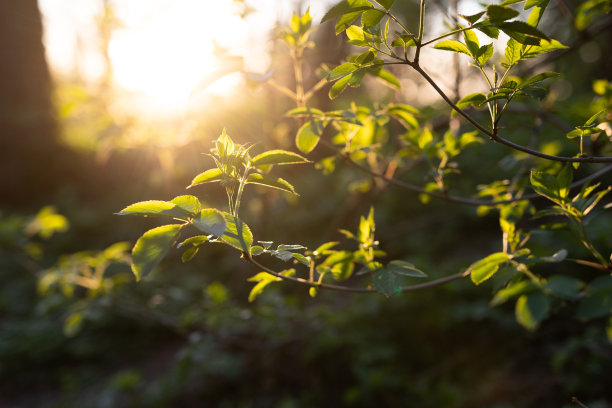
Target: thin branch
pixel 341 288
pixel 500 139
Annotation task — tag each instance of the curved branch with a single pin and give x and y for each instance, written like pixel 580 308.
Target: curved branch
pixel 500 139
pixel 457 199
pixel 341 288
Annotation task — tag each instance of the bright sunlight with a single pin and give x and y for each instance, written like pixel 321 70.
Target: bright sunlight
pixel 161 53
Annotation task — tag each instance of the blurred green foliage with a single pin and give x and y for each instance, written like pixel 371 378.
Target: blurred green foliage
pixel 77 330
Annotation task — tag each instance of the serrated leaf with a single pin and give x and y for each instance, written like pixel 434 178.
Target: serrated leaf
pixel 156 208
pixel 263 180
pixel 308 135
pixel 453 45
pixel 188 203
pixel 387 282
pixel 237 233
pixel 151 247
pixel 405 269
pixel 483 269
pixel 278 157
pixel 531 309
pixel 498 14
pixel 210 221
pixel 512 52
pixel 209 176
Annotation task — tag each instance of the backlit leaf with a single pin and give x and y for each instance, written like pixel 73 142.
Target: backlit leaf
pixel 278 157
pixel 482 270
pixel 151 247
pixel 208 176
pixel 405 269
pixel 531 309
pixel 237 234
pixel 308 135
pixel 452 45
pixel 263 180
pixel 188 203
pixel 210 221
pixel 156 208
pixel 498 14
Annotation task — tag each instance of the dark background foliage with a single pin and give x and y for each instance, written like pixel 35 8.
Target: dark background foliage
pixel 189 337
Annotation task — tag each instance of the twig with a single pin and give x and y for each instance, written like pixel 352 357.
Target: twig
pixel 341 288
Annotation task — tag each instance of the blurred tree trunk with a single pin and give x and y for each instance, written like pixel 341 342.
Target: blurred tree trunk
pixel 30 154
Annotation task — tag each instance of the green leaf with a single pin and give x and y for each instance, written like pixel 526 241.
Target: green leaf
pixel 341 264
pixel 210 221
pixel 484 54
pixel 323 249
pixel 386 282
pixel 475 99
pixel 536 14
pixel 346 7
pixel 531 309
pixel 512 52
pixel 453 45
pixel 257 250
pixel 472 18
pixel 263 279
pixel 538 78
pixel 151 247
pixel 513 290
pixel 405 114
pixel 196 241
pixel 208 176
pixel 593 118
pixel 555 188
pixel 305 111
pixel 156 208
pixel 405 269
pixel 483 27
pixel 371 18
pixel 471 41
pixel 498 14
pixel 237 234
pixel 342 71
pixel 278 157
pixel 263 180
pixel 388 78
pixel 563 286
pixel 339 86
pixel 189 254
pixel 308 135
pixel 544 47
pixel 188 203
pixel 290 247
pixel 523 32
pixel 482 270
pixel 574 134
pixel 302 259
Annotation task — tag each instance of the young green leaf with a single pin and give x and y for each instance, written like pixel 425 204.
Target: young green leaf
pixel 512 52
pixel 151 247
pixel 386 4
pixel 482 270
pixel 210 221
pixel 523 32
pixel 156 208
pixel 342 71
pixel 453 45
pixel 472 18
pixel 308 135
pixel 497 14
pixel 263 279
pixel 388 78
pixel 208 176
pixel 371 18
pixel 188 203
pixel 267 181
pixel 346 7
pixel 237 234
pixel 278 157
pixel 531 309
pixel 339 86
